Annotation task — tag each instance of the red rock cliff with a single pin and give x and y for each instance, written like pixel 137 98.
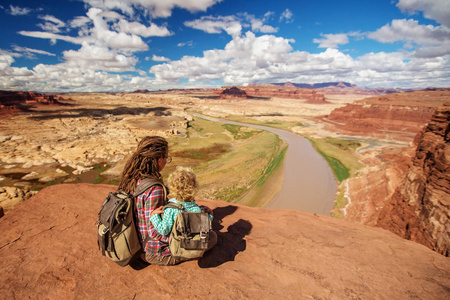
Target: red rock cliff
pixel 402 115
pixel 420 207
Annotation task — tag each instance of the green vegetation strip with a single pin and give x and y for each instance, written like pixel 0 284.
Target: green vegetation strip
pixel 340 155
pixel 272 168
pixel 339 170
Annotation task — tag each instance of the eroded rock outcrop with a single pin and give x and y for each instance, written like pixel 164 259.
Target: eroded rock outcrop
pixel 13 102
pixel 233 93
pixel 420 207
pixel 48 250
pixel 10 197
pixel 399 115
pixel 288 91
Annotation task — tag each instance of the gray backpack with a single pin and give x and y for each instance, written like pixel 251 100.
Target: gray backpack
pixel 118 237
pixel 190 235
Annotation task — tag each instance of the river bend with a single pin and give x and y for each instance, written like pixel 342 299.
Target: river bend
pixel 309 184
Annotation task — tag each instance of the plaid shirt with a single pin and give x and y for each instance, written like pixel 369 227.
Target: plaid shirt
pixel 145 203
pixel 164 225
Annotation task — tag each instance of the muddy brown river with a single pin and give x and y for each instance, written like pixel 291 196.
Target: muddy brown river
pixel 309 183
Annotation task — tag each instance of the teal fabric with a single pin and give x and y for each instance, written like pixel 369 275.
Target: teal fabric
pixel 164 225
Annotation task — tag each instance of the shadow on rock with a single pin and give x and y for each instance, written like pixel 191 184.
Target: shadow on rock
pixel 229 243
pixel 139 264
pixel 100 112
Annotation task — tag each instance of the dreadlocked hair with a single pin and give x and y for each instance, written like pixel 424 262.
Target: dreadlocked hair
pixel 144 162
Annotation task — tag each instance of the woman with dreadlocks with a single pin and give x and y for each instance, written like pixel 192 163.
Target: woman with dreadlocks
pixel 149 159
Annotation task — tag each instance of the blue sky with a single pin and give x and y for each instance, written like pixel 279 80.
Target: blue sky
pixel 125 45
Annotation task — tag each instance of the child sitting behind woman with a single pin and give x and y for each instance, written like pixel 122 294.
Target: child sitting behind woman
pixel 183 185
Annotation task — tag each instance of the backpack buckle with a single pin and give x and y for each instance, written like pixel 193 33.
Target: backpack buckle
pixel 203 235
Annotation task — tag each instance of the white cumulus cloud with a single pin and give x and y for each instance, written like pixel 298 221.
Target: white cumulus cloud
pixel 266 59
pixel 287 16
pixel 18 11
pixel 209 24
pixel 156 8
pixel 52 24
pixel 232 25
pixel 332 40
pixel 431 41
pixel 438 10
pixel 159 58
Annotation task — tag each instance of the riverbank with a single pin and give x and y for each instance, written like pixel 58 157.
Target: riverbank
pixel 308 182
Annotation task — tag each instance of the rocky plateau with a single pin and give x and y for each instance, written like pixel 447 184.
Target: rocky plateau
pixel 48 250
pixel 71 142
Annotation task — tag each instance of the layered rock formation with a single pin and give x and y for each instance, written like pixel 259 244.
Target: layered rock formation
pixel 420 207
pixel 288 92
pixel 13 102
pixel 48 251
pixel 399 115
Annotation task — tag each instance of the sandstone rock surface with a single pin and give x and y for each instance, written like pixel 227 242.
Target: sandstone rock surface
pixel 48 250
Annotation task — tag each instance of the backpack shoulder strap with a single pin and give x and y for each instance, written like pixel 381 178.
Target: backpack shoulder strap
pixel 146 183
pixel 173 205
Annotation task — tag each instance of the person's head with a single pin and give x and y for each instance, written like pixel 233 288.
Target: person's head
pixel 149 159
pixel 183 184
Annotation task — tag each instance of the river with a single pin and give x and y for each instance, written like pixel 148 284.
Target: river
pixel 309 184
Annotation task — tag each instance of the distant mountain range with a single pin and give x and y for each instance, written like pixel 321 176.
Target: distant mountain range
pixel 317 85
pixel 344 88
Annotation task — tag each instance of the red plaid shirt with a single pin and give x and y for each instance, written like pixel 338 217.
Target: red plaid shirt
pixel 145 204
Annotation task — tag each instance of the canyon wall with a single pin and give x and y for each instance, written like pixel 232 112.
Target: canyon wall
pixel 420 207
pixel 398 115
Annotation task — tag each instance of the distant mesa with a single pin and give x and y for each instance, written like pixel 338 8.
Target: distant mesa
pixel 272 91
pixel 233 93
pixel 12 102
